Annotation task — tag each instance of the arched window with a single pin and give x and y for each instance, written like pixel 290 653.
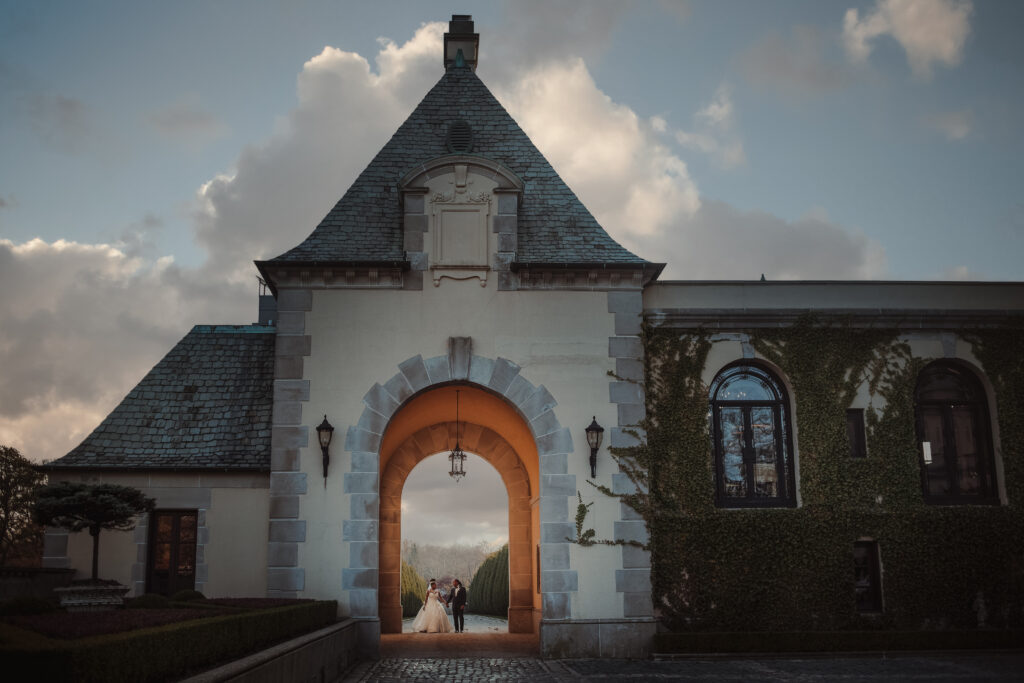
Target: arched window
pixel 751 432
pixel 954 442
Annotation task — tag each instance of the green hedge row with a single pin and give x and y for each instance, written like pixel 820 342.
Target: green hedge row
pixel 414 588
pixel 488 591
pixel 158 654
pixel 835 641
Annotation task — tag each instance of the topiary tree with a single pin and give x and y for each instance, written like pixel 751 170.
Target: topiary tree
pixel 414 587
pixel 488 591
pixel 94 507
pixel 18 484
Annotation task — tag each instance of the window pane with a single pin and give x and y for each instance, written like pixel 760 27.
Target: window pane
pixel 855 432
pixel 745 387
pixel 867 576
pixel 188 528
pixel 943 383
pixel 734 473
pixel 164 528
pixel 766 475
pixel 162 556
pixel 968 477
pixel 933 447
pixel 186 559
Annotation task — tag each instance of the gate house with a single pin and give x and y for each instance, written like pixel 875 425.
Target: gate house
pixel 457 260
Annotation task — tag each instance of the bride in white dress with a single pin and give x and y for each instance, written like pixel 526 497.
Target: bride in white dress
pixel 432 618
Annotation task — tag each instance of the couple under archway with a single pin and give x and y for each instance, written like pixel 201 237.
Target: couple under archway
pixel 432 617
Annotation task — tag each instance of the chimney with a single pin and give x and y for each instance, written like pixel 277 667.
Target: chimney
pixel 268 310
pixel 460 36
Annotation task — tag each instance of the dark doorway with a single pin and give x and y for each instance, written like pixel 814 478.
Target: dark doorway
pixel 172 551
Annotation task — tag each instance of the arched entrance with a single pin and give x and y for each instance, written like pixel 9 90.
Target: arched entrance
pixel 522 414
pixel 490 428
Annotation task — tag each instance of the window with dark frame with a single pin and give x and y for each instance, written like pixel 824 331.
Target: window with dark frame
pixel 867 577
pixel 171 565
pixel 855 433
pixel 752 442
pixel 954 437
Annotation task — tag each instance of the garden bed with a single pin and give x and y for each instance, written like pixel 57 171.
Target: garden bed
pixel 152 644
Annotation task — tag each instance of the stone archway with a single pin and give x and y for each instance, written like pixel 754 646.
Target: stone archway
pixel 531 429
pixel 493 448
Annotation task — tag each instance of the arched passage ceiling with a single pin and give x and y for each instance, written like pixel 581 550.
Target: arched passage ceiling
pixel 476 407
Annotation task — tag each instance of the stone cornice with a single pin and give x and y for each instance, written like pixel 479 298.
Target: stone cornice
pixel 334 275
pixel 585 276
pixel 899 318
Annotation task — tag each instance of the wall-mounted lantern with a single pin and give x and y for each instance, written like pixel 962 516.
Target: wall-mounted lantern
pixel 325 431
pixel 594 434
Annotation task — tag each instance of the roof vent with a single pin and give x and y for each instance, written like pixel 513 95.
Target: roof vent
pixel 460 137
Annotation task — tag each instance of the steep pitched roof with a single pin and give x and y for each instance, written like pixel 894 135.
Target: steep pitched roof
pixel 206 405
pixel 366 223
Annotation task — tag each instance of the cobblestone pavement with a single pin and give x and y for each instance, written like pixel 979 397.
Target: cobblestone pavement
pixel 950 668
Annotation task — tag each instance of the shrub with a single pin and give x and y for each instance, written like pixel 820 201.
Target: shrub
pixel 488 591
pixel 19 607
pixel 187 595
pixel 156 654
pixel 148 601
pixel 413 590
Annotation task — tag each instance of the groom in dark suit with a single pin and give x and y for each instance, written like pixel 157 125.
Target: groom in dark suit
pixel 457 599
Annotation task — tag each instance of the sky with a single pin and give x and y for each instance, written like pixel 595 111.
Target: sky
pixel 149 152
pixel 440 511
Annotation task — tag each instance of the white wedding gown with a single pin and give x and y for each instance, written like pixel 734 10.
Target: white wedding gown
pixel 432 618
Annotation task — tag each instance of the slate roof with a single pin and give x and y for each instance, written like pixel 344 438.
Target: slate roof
pixel 366 223
pixel 206 405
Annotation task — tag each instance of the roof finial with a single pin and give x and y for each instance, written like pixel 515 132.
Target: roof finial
pixel 461 44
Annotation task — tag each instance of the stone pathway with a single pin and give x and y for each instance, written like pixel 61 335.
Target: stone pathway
pixel 942 667
pixel 475 623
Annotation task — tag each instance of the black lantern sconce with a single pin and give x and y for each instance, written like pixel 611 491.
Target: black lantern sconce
pixel 325 431
pixel 595 433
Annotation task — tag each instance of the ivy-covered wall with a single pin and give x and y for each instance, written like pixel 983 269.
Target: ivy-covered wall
pixel 792 568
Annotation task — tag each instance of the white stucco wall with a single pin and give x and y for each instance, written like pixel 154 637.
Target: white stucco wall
pixel 560 340
pixel 233 510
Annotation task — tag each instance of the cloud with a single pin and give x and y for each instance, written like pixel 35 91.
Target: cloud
pixel 64 123
pixel 961 274
pixel 82 323
pixel 543 32
pixel 722 242
pixel 930 31
pixel 641 192
pixel 601 148
pixel 795 65
pixel 436 509
pixel 954 125
pixel 186 121
pixel 714 131
pixel 281 188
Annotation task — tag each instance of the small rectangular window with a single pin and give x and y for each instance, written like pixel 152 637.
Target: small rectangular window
pixel 855 432
pixel 538 569
pixel 867 576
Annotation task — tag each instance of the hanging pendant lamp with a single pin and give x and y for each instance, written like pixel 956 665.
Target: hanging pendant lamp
pixel 457 457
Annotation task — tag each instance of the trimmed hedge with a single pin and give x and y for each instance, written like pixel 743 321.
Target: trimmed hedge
pixel 488 591
pixel 159 654
pixel 835 641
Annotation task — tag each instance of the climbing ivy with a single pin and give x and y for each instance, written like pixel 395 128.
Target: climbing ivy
pixel 792 569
